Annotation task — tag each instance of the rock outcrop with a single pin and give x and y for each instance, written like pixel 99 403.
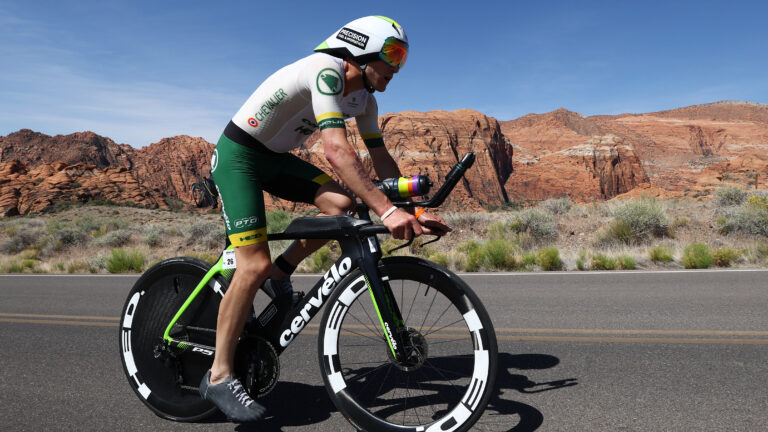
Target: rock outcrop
pixel 677 152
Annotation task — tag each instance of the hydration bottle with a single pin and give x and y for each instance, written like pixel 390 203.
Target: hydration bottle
pixel 397 189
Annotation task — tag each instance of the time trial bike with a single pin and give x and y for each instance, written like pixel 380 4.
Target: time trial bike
pixel 403 345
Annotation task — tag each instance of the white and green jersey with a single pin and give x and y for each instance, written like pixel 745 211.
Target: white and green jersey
pixel 302 97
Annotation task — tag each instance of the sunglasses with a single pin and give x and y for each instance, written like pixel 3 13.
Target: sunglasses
pixel 394 52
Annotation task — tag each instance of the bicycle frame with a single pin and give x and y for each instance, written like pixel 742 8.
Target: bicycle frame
pixel 360 249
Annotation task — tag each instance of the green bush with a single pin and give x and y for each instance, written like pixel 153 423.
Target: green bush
pixel 278 220
pixel 549 259
pixel 527 261
pixel 535 222
pixel 638 221
pixel 661 254
pixel 440 259
pixel 581 261
pixel 602 262
pixel 762 250
pixel 625 262
pixel 724 257
pixel 497 230
pixel 121 261
pixel 498 254
pixel 729 196
pixel 321 260
pixel 697 256
pixel 475 258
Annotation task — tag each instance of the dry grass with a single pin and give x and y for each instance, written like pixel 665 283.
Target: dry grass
pixel 81 239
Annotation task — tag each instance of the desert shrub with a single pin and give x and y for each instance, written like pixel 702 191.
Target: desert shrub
pixel 638 220
pixel 557 206
pixel 115 239
pixel 549 259
pixel 206 234
pixel 153 238
pixel 661 254
pixel 625 262
pixel 440 259
pixel 602 262
pixel 321 260
pixel 121 261
pixel 21 237
pixel 724 257
pixel 535 222
pixel 746 219
pixel 759 200
pixel 497 230
pixel 68 237
pixel 729 196
pixel 762 250
pixel 204 256
pixel 498 254
pixel 697 256
pixel 581 261
pixel 527 261
pixel 278 220
pixel 77 267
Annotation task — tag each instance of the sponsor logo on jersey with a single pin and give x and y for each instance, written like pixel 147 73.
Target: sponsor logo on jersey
pixel 269 105
pixel 352 37
pixel 214 160
pixel 329 82
pixel 332 277
pixel 246 221
pixel 253 122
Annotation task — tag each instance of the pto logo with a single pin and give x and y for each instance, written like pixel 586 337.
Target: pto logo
pixel 252 121
pixel 329 82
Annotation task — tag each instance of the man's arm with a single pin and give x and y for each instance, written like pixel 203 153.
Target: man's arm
pixel 383 163
pixel 344 161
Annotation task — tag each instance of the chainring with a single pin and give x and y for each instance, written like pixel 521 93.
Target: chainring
pixel 257 365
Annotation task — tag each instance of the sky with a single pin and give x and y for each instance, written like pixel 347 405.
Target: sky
pixel 139 71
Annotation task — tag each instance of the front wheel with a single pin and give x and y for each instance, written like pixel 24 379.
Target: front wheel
pixel 449 379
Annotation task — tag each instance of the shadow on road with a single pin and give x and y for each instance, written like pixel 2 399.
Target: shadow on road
pixel 293 404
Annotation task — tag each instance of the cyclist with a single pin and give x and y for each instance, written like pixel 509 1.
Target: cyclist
pixel 252 156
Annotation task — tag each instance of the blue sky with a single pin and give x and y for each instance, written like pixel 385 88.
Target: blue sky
pixel 138 71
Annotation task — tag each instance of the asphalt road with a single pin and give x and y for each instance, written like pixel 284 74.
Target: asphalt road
pixel 632 351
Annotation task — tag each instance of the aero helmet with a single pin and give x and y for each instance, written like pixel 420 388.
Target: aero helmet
pixel 368 39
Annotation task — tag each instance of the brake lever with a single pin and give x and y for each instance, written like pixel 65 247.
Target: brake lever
pixel 389 252
pixel 437 237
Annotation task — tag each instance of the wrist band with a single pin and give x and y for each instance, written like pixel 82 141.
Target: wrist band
pixel 419 211
pixel 388 212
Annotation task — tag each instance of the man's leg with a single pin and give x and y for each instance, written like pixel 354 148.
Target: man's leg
pixel 253 265
pixel 332 200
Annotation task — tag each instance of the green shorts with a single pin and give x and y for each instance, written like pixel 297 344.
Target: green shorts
pixel 243 168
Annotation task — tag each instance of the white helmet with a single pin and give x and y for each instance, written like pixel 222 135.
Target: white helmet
pixel 368 39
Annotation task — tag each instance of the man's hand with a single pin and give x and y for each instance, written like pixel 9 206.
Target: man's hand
pixel 403 225
pixel 433 224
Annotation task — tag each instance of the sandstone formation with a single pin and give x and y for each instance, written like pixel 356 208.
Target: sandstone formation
pixel 24 190
pixel 431 143
pixel 682 152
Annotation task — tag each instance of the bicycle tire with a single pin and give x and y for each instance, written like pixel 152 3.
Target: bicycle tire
pixel 452 390
pixel 151 304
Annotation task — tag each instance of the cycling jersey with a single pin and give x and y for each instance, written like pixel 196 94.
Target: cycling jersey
pixel 252 154
pixel 302 97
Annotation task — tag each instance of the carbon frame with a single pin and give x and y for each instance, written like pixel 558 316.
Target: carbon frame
pixel 359 251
